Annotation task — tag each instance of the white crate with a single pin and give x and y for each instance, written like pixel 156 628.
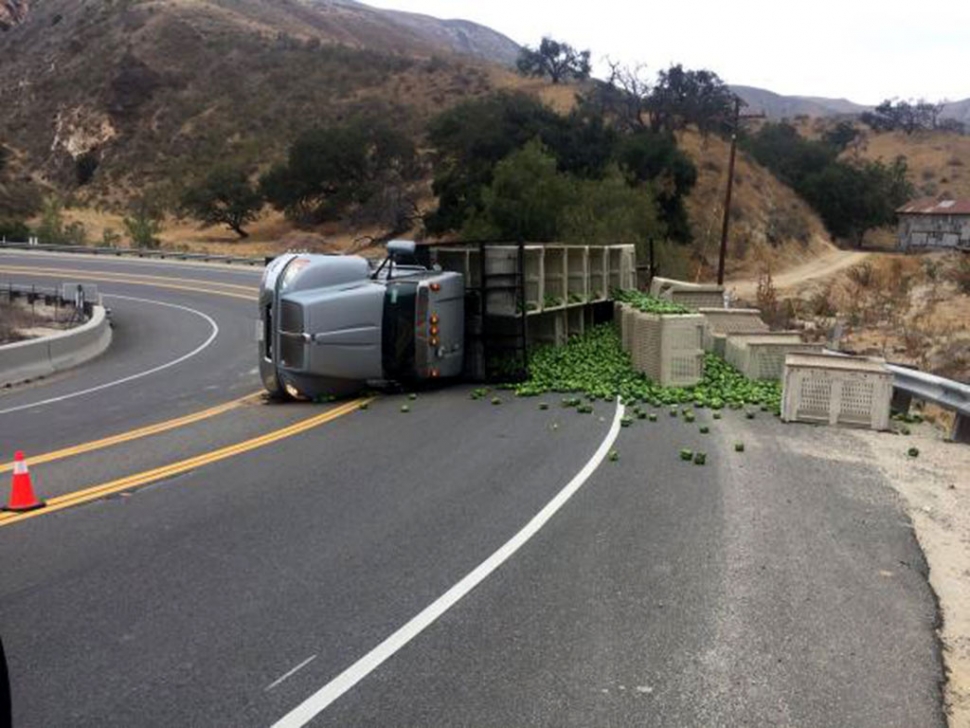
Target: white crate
pixel 721 321
pixel 622 267
pixel 762 356
pixel 683 369
pixel 696 298
pixel 667 348
pixel 644 345
pixel 474 277
pixel 618 309
pixel 548 327
pixel 577 275
pixel 502 262
pixel 627 317
pixel 533 277
pixel 554 277
pixel 836 390
pixel 691 295
pixel 452 259
pixel 660 285
pixel 734 344
pixel 733 320
pixel 575 321
pixel 599 288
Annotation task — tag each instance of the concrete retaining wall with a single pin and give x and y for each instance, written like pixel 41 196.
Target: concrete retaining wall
pixel 25 360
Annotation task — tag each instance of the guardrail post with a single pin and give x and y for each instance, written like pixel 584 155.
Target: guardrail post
pixel 901 401
pixel 961 429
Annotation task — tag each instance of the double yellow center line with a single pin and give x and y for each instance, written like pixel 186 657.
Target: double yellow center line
pixel 156 429
pixel 167 471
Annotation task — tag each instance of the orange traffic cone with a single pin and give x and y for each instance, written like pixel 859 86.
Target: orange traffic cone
pixel 22 496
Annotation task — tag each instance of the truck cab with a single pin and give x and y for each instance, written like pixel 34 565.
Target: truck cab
pixel 331 324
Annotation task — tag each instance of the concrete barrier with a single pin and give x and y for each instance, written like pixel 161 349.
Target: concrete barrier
pixel 34 358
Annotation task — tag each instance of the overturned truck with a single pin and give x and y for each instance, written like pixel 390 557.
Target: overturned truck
pixel 331 324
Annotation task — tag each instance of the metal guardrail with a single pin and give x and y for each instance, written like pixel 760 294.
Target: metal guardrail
pixel 931 388
pixel 52 296
pixel 137 253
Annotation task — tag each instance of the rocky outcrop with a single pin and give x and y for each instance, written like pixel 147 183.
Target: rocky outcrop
pixel 13 12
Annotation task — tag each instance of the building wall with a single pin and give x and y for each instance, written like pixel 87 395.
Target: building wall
pixel 934 231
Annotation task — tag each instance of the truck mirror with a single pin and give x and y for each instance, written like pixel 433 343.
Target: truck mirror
pixel 401 248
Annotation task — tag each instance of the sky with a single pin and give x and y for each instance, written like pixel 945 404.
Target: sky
pixel 862 50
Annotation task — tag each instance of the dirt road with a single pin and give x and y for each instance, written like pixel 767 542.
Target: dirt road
pixel 822 267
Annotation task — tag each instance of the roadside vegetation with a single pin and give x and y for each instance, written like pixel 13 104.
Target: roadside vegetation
pixel 17 317
pixel 907 309
pixel 851 196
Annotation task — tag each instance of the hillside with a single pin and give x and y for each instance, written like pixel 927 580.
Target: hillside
pixel 959 110
pixel 459 36
pixel 155 91
pixel 770 225
pixel 777 106
pixel 939 162
pixel 158 92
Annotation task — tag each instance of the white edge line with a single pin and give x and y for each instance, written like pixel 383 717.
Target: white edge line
pixel 320 700
pixel 291 673
pixel 198 350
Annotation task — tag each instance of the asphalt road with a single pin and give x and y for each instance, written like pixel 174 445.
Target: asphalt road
pixel 772 587
pixel 153 327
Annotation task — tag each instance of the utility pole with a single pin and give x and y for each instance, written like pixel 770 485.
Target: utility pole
pixel 730 184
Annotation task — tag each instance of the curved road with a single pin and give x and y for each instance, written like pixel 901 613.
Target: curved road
pixel 306 564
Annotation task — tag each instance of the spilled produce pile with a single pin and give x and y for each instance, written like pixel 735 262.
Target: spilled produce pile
pixel 594 363
pixel 645 303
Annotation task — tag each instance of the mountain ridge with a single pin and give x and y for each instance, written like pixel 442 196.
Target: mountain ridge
pixel 780 106
pixel 157 89
pixel 460 36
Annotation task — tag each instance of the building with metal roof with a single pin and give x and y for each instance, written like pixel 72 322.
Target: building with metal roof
pixel 934 223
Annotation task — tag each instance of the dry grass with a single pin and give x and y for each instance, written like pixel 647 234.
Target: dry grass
pixel 939 162
pixel 770 225
pixel 8 324
pixel 19 320
pixel 561 97
pixel 906 308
